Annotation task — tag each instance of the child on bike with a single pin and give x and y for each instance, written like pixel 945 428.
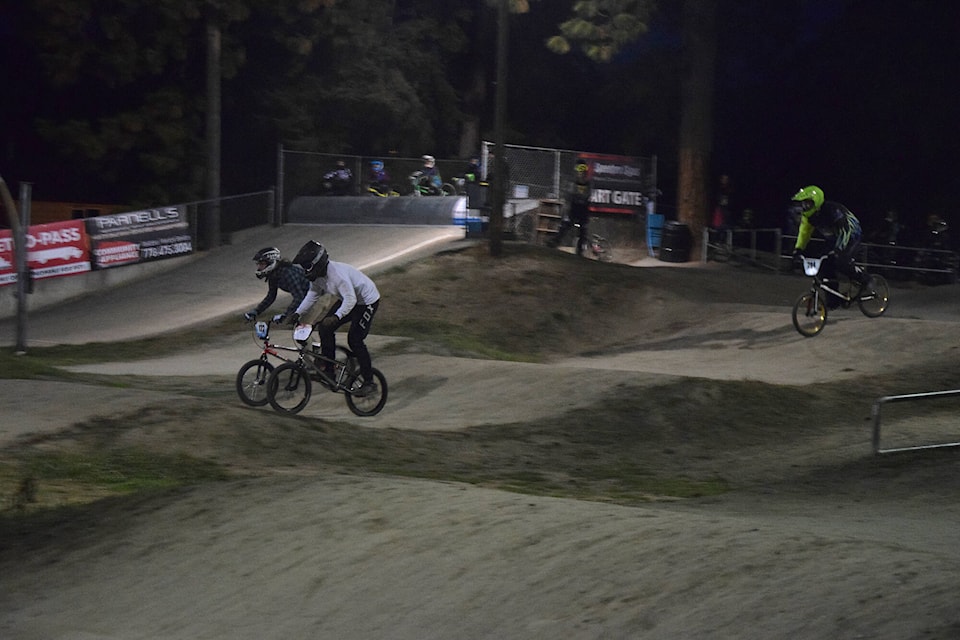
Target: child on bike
pixel 428 176
pixel 279 274
pixel 339 180
pixel 378 178
pixel 359 302
pixel 839 227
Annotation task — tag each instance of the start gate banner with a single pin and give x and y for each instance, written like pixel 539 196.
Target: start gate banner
pixel 53 249
pixel 616 183
pixel 139 236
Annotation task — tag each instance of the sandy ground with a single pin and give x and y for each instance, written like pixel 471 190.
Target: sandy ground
pixel 339 556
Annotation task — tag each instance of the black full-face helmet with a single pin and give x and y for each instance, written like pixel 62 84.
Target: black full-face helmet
pixel 267 260
pixel 313 258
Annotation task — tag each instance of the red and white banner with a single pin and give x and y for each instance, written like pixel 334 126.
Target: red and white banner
pixel 54 249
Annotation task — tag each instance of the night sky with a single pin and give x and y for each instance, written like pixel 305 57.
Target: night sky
pixel 857 96
pixel 863 102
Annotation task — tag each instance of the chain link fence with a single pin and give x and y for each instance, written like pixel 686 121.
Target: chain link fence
pixel 302 173
pixel 236 213
pixel 533 172
pixel 537 172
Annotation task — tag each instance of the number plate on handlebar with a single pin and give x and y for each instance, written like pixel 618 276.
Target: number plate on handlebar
pixel 811 266
pixel 262 330
pixel 302 332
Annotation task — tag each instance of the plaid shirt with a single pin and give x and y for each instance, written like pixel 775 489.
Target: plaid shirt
pixel 291 279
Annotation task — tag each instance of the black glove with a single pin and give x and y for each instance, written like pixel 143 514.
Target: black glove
pixel 293 319
pixel 250 316
pixel 329 323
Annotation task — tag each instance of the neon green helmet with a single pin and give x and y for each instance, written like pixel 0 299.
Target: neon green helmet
pixel 811 199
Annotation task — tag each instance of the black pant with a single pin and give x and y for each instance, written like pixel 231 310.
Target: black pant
pixel 844 263
pixel 360 319
pixel 582 239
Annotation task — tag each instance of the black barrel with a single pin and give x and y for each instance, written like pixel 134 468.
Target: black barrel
pixel 675 242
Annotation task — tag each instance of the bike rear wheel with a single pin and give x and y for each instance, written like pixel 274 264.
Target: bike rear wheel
pixel 289 388
pixel 601 248
pixel 373 402
pixel 873 301
pixel 252 382
pixel 809 314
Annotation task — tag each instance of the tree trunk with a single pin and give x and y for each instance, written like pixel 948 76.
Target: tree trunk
pixel 470 127
pixel 475 97
pixel 499 179
pixel 696 114
pixel 211 224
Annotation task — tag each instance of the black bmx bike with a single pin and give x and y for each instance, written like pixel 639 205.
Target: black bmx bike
pixel 290 385
pixel 253 375
pixel 810 310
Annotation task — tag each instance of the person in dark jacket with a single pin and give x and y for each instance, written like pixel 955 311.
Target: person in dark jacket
pixel 279 274
pixel 838 226
pixel 578 210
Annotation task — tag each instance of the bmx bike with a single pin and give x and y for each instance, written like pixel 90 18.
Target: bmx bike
pixel 382 190
pixel 290 385
pixel 595 245
pixel 418 187
pixel 600 248
pixel 252 377
pixel 810 310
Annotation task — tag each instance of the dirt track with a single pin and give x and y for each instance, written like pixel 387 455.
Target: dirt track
pixel 849 547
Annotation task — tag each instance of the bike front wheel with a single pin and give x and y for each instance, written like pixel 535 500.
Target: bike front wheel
pixel 448 189
pixel 809 314
pixel 873 301
pixel 252 382
pixel 289 388
pixel 372 403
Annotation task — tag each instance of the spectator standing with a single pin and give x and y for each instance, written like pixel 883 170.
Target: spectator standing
pixel 578 209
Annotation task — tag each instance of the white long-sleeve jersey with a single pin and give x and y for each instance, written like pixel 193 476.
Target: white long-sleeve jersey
pixel 352 285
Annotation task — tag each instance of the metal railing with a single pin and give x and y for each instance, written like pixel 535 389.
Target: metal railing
pixel 760 247
pixel 237 212
pixel 904 398
pixel 772 249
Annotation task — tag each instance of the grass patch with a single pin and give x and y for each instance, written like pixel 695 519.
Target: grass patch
pixel 51 479
pixel 28 367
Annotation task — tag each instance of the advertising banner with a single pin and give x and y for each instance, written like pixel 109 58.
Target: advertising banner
pixel 54 249
pixel 139 236
pixel 616 183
